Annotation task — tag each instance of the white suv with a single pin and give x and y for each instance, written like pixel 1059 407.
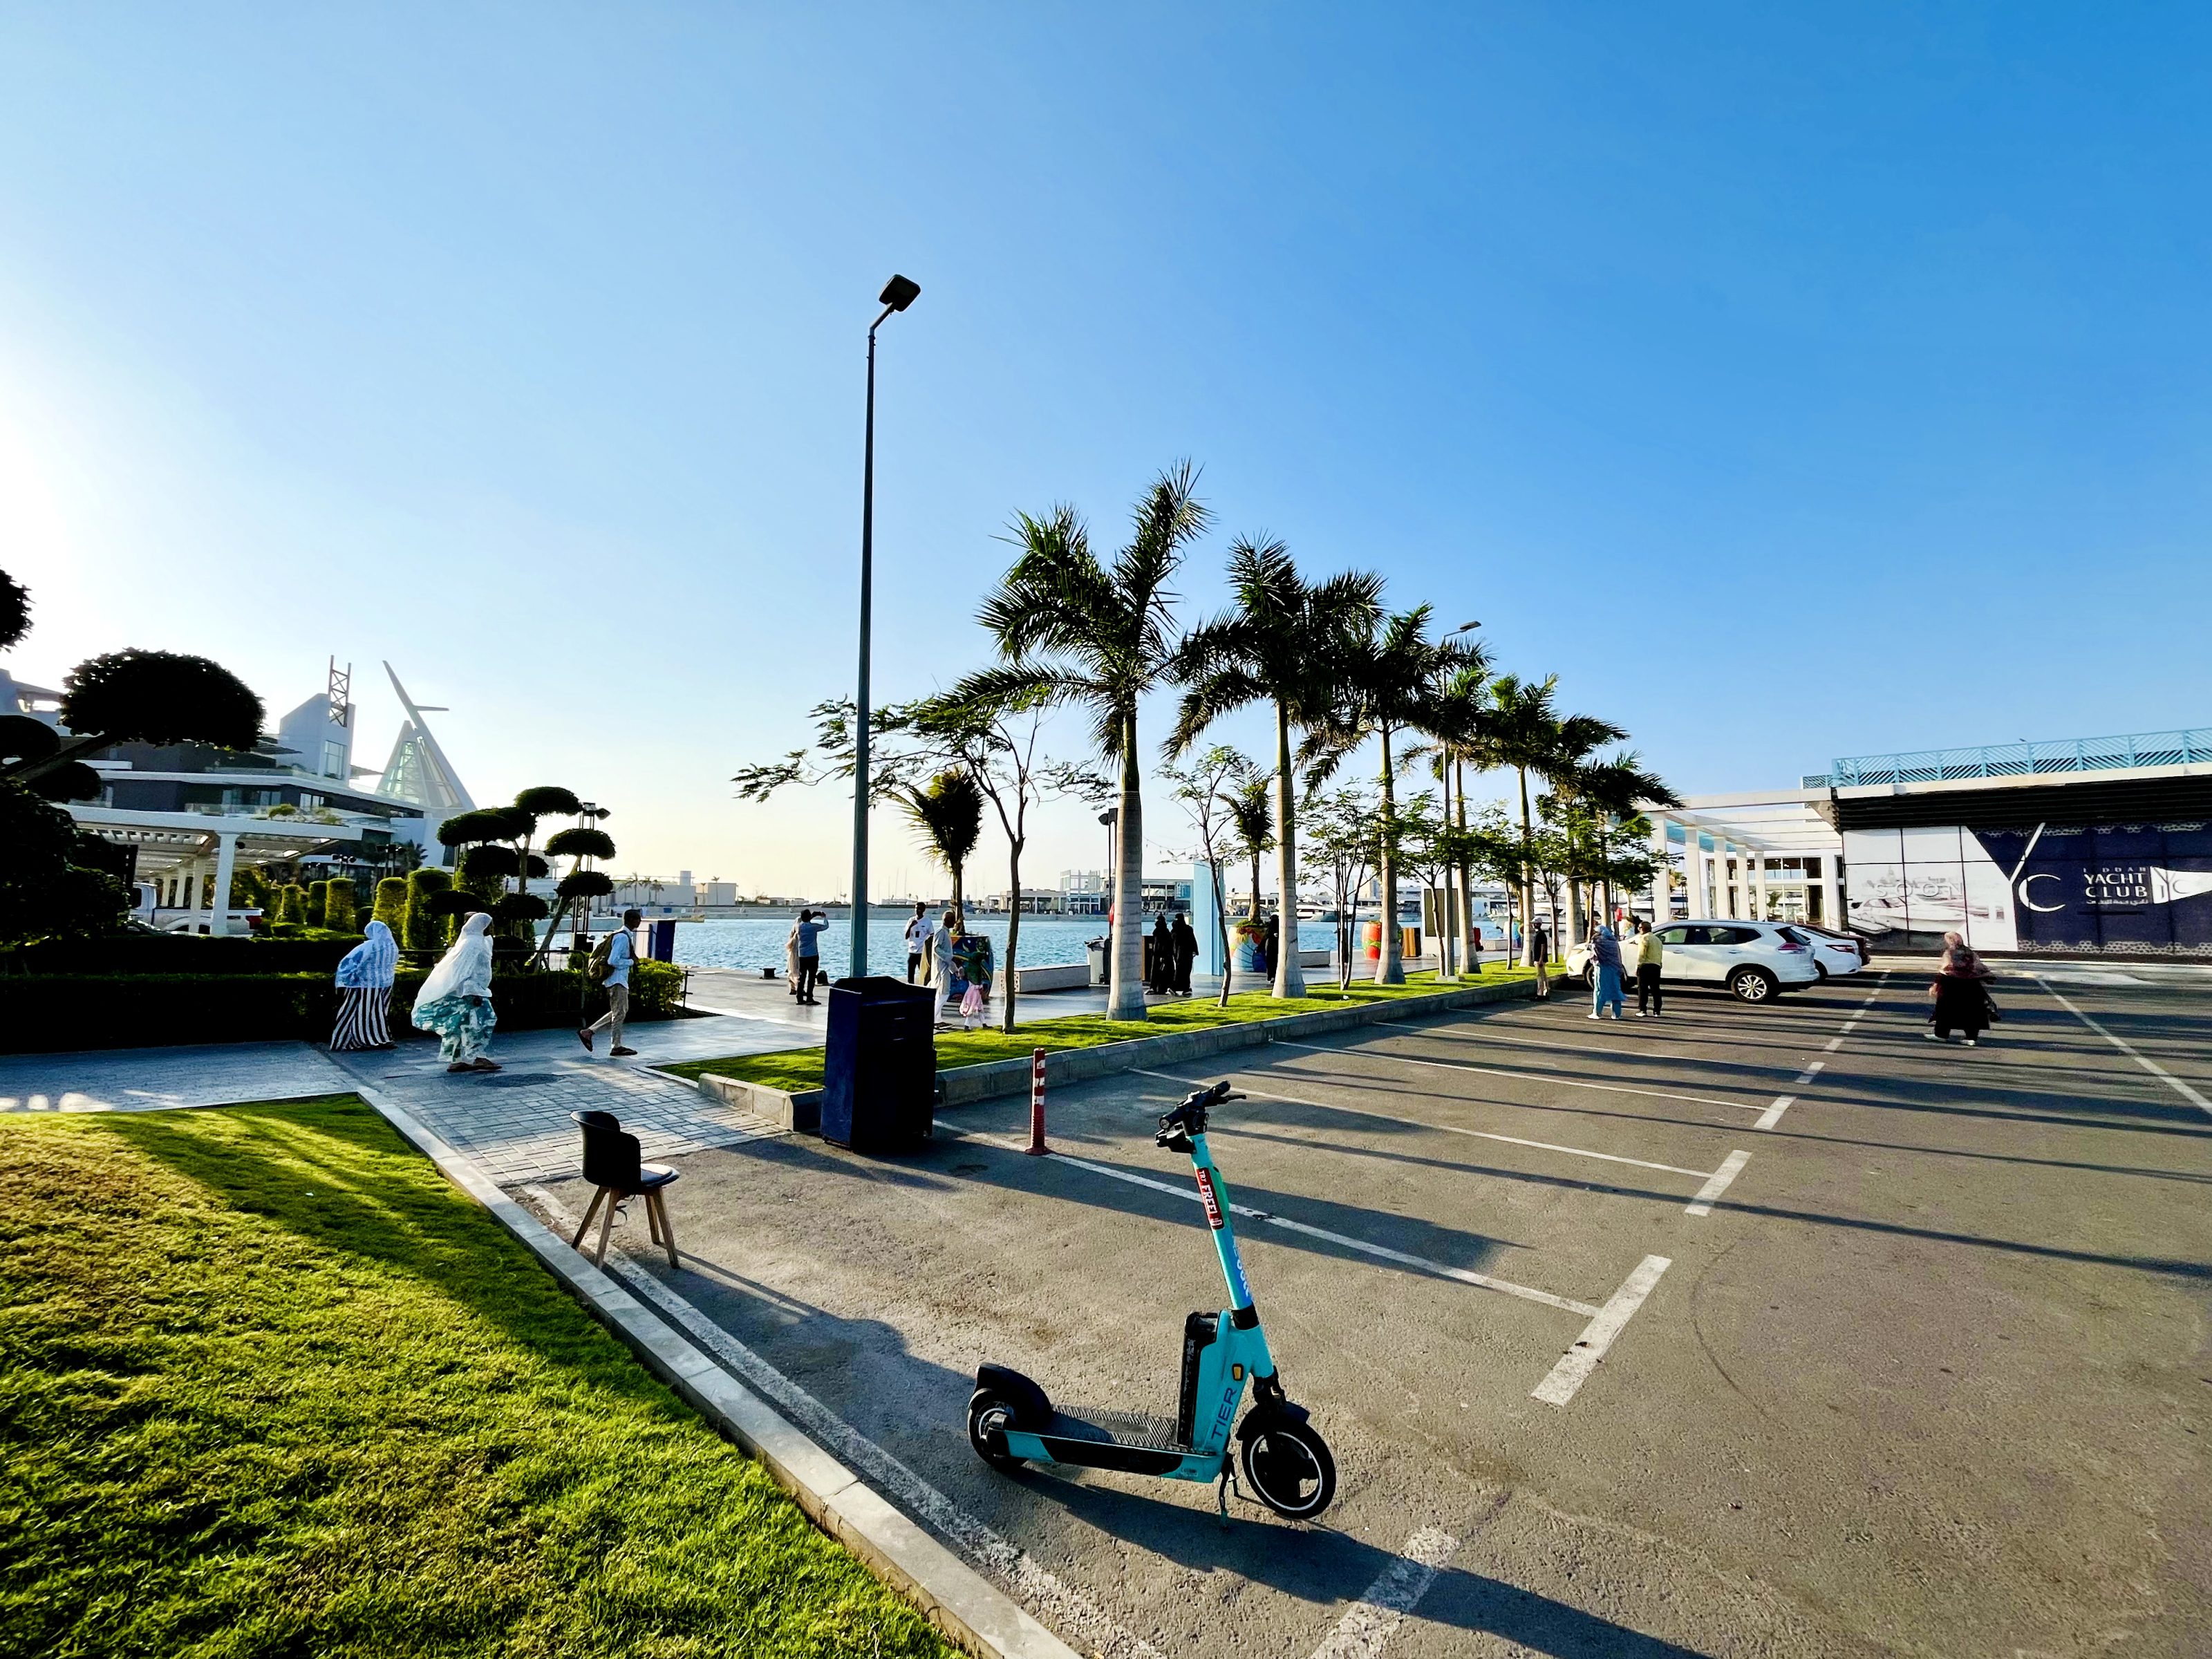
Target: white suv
pixel 1753 959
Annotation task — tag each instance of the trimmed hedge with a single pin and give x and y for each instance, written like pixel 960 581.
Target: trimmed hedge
pixel 175 953
pixel 425 929
pixel 341 905
pixel 58 1012
pixel 391 904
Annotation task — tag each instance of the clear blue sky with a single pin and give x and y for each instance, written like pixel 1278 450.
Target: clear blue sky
pixel 1792 387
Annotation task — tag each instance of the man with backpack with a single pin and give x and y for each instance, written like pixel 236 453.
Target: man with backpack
pixel 610 966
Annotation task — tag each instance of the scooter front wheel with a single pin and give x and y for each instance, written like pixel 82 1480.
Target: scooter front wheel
pixel 1288 1467
pixel 990 1413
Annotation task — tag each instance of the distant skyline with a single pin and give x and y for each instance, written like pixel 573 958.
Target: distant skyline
pixel 1792 386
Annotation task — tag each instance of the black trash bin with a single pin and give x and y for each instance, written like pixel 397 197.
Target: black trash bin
pixel 879 1074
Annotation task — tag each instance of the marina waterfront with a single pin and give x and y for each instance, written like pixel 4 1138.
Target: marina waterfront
pixel 755 942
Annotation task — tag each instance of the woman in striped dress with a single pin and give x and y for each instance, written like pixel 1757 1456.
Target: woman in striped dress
pixel 365 992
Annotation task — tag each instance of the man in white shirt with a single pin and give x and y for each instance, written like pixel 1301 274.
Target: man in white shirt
pixel 917 940
pixel 622 955
pixel 940 954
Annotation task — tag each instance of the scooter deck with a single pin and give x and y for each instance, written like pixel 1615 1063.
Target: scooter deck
pixel 1144 1430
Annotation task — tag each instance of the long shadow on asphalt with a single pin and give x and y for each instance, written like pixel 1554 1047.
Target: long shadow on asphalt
pixel 2172 1117
pixel 1319 1565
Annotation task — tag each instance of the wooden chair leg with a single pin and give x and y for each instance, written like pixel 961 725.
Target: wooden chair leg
pixel 606 1226
pixel 585 1227
pixel 652 1216
pixel 667 1231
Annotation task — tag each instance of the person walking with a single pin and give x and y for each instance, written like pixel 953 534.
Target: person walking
pixel 1650 955
pixel 791 955
pixel 615 959
pixel 1186 952
pixel 917 940
pixel 1540 952
pixel 1271 941
pixel 1605 959
pixel 455 1000
pixel 364 979
pixel 812 924
pixel 944 941
pixel 1960 994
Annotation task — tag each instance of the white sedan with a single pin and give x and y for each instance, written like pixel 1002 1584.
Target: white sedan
pixel 1833 953
pixel 1753 959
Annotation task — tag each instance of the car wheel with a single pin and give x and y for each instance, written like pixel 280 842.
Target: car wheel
pixel 1752 985
pixel 1821 973
pixel 1588 977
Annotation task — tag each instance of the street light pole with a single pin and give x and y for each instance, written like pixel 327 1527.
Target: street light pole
pixel 898 293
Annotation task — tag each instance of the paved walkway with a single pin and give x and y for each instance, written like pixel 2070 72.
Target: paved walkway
pixel 154 1079
pixel 514 1122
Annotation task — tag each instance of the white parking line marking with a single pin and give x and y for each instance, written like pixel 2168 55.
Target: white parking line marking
pixel 1422 1123
pixel 1772 1114
pixel 1731 1166
pixel 1381 1252
pixel 1518 1077
pixel 1061 1605
pixel 1396 1591
pixel 1832 1045
pixel 2144 1060
pixel 1575 1366
pixel 1812 1068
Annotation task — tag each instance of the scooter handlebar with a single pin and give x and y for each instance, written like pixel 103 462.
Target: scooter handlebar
pixel 1189 1119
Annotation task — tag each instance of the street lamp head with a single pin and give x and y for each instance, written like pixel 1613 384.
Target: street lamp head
pixel 1111 815
pixel 899 292
pixel 1467 627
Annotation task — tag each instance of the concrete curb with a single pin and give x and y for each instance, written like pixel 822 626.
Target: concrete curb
pixel 966 1083
pixel 965 1608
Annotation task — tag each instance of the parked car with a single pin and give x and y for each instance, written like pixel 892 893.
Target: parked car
pixel 1755 960
pixel 1834 953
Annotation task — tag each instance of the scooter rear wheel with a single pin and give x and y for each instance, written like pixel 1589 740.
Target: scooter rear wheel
pixel 1288 1467
pixel 990 1413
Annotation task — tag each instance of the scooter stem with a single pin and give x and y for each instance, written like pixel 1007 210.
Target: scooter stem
pixel 1214 1191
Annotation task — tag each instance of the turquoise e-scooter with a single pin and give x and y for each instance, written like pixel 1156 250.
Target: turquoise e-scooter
pixel 1286 1463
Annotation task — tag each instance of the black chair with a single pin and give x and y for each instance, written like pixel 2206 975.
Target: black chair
pixel 611 1164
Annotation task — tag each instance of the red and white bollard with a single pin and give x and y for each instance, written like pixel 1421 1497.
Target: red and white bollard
pixel 1036 1148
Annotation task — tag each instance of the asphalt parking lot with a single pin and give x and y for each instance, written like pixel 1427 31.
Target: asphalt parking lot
pixel 1773 1330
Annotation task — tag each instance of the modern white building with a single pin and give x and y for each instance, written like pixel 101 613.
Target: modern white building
pixel 188 815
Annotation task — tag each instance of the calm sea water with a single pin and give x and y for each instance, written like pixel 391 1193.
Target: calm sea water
pixel 754 942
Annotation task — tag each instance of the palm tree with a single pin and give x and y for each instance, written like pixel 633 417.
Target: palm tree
pixel 1613 790
pixel 1252 821
pixel 948 813
pixel 1454 724
pixel 1524 730
pixel 1277 645
pixel 1072 630
pixel 1386 683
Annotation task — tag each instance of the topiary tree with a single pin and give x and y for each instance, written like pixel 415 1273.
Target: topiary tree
pixel 45 891
pixel 580 844
pixel 148 696
pixel 391 904
pixel 341 905
pixel 317 895
pixel 425 927
pixel 14 610
pixel 292 905
pixel 249 889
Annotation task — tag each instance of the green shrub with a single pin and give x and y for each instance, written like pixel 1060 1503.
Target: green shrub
pixel 318 894
pixel 342 906
pixel 292 904
pixel 392 904
pixel 176 953
pixel 425 930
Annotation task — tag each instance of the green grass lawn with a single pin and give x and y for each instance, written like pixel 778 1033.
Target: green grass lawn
pixel 796 1069
pixel 270 1386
